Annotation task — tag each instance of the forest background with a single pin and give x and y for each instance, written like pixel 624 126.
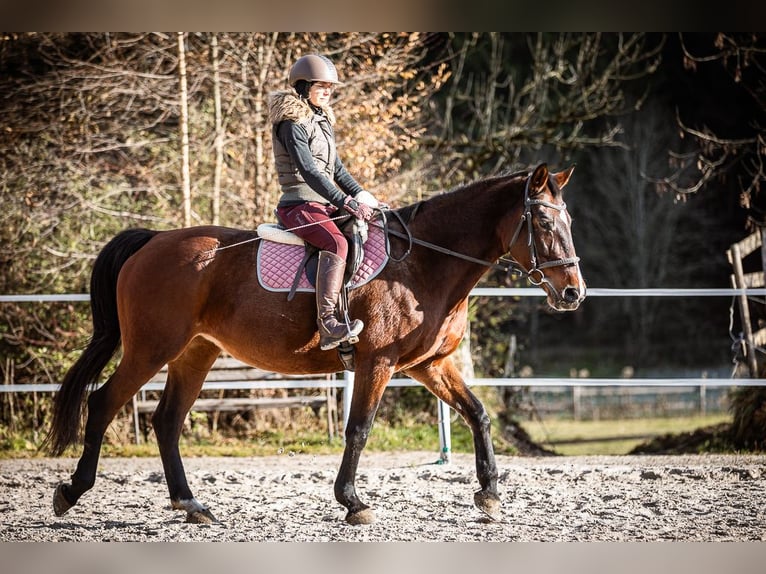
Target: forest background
pixel 666 131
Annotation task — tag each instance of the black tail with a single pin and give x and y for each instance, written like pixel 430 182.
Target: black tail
pixel 69 401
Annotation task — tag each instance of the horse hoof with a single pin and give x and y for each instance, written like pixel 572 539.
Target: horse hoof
pixel 203 516
pixel 488 503
pixel 364 516
pixel 60 503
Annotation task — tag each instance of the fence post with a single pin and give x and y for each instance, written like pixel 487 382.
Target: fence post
pixel 735 257
pixel 445 433
pixel 136 423
pixel 348 391
pixel 576 407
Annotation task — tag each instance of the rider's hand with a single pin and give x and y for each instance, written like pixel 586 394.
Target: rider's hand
pixel 358 210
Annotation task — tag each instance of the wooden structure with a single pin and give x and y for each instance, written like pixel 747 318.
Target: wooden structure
pixel 754 337
pixel 229 374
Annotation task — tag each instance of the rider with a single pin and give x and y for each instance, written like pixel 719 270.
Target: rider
pixel 315 184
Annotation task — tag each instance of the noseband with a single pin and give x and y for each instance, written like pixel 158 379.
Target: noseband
pixel 534 274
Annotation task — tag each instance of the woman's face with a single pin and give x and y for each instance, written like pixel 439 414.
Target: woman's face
pixel 320 92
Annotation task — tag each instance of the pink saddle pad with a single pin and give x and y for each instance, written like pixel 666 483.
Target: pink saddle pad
pixel 278 263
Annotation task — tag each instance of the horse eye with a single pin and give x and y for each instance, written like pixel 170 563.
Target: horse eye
pixel 546 224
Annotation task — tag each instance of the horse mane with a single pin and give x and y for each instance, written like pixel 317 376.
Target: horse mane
pixel 408 212
pixel 503 176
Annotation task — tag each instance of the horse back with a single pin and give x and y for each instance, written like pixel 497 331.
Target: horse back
pixel 177 270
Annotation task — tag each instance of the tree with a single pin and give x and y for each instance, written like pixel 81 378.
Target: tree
pixel 215 204
pixel 511 95
pixel 638 237
pixel 732 142
pixel 184 128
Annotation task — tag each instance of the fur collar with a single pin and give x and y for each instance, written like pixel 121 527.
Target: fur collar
pixel 286 105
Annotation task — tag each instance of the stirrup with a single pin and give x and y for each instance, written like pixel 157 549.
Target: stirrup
pixel 335 343
pixel 346 355
pixel 351 339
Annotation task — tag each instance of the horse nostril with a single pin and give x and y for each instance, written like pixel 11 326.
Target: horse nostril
pixel 571 295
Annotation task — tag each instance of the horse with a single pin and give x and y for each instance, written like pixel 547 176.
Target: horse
pixel 180 297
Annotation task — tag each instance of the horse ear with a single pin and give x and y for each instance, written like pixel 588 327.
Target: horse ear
pixel 538 179
pixel 562 177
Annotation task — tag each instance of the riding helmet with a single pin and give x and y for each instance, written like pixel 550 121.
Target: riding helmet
pixel 313 68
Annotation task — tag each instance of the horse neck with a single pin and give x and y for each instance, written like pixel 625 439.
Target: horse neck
pixel 472 221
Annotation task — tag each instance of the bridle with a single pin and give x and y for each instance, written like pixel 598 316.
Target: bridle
pixel 527 217
pixel 534 275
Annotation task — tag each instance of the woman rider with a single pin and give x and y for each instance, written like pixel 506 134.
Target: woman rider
pixel 315 184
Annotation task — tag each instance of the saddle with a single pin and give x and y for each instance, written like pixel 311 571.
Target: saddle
pixel 286 263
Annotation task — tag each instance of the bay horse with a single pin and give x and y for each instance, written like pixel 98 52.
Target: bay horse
pixel 157 294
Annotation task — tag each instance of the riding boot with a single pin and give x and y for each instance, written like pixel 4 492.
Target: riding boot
pixel 330 270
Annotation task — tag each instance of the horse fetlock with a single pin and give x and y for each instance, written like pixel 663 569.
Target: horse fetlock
pixel 488 502
pixel 485 423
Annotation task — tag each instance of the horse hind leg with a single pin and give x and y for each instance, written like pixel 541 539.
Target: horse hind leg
pixel 185 378
pixel 444 380
pixel 103 405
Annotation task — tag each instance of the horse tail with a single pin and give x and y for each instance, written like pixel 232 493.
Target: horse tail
pixel 68 404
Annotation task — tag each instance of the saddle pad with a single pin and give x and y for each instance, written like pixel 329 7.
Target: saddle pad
pixel 277 263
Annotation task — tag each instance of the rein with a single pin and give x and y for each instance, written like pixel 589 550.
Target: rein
pixel 513 267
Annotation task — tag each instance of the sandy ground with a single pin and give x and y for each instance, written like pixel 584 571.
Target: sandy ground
pixel 290 498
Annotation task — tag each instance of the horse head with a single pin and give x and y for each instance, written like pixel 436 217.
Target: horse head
pixel 546 251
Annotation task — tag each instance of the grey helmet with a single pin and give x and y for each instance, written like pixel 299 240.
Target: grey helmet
pixel 313 68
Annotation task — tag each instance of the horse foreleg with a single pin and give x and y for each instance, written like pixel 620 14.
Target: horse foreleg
pixel 444 380
pixel 364 405
pixel 185 379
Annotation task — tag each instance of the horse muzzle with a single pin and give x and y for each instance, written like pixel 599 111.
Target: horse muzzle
pixel 568 299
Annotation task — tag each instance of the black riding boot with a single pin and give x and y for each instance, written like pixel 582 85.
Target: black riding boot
pixel 332 332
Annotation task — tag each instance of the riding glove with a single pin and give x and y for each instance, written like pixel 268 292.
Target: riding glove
pixel 357 209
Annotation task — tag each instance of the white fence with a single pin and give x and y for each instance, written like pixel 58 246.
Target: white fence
pixel 347 382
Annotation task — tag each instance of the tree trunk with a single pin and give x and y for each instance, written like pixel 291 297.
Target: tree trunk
pixel 186 179
pixel 216 199
pixel 264 58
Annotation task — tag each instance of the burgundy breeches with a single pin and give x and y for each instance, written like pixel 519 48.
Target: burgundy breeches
pixel 312 222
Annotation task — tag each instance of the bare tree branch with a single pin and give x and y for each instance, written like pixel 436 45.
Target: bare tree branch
pixel 744 56
pixel 545 91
